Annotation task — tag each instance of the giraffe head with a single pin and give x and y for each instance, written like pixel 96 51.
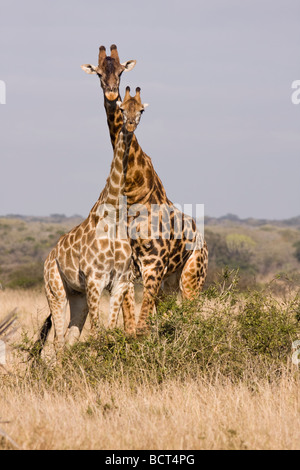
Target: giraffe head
pixel 109 70
pixel 132 109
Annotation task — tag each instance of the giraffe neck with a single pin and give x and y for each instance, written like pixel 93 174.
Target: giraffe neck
pixel 139 179
pixel 115 122
pixel 114 119
pixel 132 175
pixel 115 183
pixel 117 177
pixel 142 183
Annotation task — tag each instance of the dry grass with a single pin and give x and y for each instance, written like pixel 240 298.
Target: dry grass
pixel 31 306
pixel 195 414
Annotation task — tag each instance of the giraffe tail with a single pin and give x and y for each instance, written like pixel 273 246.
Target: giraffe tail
pixel 37 348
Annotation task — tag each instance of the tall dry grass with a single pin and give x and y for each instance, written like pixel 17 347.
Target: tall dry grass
pixel 68 410
pixel 174 415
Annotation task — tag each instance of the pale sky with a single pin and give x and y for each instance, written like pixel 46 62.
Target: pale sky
pixel 221 128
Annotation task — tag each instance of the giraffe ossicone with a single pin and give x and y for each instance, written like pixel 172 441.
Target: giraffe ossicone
pixel 109 70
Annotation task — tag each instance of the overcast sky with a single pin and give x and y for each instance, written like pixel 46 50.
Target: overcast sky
pixel 221 128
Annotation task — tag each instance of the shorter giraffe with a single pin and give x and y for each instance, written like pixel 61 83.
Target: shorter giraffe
pixel 80 254
pixel 84 262
pixel 93 256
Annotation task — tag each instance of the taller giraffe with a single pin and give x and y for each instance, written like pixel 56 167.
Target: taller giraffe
pixel 160 258
pixel 109 71
pixel 84 261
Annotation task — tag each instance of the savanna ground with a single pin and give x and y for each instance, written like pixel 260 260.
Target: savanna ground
pixel 216 373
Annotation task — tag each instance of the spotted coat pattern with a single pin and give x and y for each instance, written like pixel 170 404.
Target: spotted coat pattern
pixel 173 252
pixel 85 261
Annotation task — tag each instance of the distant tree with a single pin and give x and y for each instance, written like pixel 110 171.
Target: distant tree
pixel 239 244
pixel 231 217
pixel 297 251
pixel 234 250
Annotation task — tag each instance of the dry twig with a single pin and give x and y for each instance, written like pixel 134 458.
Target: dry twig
pixel 7 323
pixel 9 439
pixel 5 333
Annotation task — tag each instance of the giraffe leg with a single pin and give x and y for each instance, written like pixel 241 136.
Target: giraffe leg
pixel 78 314
pixel 128 307
pixel 58 306
pixel 194 274
pixel 94 289
pixel 57 301
pixel 152 283
pixel 123 295
pixel 117 295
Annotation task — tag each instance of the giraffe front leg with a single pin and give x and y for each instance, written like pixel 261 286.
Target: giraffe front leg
pixel 58 306
pixel 57 301
pixel 152 282
pixel 128 307
pixel 116 299
pixel 94 289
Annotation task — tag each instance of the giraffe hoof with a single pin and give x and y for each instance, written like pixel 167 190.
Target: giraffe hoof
pixel 110 338
pixel 130 333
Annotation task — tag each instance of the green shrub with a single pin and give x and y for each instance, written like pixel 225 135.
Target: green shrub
pixel 297 251
pixel 222 333
pixel 268 329
pixel 235 251
pixel 26 276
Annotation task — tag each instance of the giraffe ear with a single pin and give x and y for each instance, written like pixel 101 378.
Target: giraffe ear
pixel 119 104
pixel 145 105
pixel 129 65
pixel 88 68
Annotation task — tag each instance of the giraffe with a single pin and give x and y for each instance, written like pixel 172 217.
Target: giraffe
pixel 164 243
pixel 87 259
pixel 187 268
pixel 109 71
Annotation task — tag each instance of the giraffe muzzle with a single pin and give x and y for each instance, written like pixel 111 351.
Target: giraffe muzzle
pixel 111 94
pixel 131 126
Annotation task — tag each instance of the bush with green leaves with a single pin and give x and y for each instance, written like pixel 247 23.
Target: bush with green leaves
pixel 26 277
pixel 297 250
pixel 222 333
